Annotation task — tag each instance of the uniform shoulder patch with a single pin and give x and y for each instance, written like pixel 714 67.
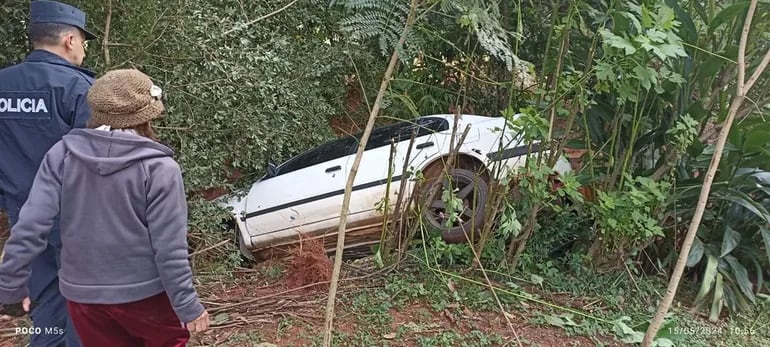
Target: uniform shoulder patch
pixel 25 105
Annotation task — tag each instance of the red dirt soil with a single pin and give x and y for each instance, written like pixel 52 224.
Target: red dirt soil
pixel 418 319
pixel 309 265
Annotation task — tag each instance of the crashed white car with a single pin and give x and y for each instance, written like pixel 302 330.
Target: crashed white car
pixel 301 198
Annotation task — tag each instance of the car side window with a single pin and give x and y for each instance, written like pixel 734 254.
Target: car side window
pixel 325 152
pixel 382 135
pixel 431 125
pixel 402 131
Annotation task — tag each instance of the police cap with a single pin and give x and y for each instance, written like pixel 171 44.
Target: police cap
pixel 45 11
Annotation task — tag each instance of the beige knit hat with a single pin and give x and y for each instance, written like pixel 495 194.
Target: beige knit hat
pixel 124 98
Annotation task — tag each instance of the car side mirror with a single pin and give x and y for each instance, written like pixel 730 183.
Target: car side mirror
pixel 272 168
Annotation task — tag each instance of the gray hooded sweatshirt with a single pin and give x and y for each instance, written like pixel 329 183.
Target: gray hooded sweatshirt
pixel 123 218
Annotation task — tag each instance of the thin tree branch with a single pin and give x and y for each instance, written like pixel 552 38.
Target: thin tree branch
pixel 477 260
pixel 742 91
pixel 755 106
pixel 762 66
pixel 263 17
pixel 557 74
pixel 210 248
pixel 670 155
pixel 329 324
pixel 360 84
pixel 742 49
pixel 106 38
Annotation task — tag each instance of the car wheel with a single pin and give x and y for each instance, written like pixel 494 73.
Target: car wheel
pixel 469 187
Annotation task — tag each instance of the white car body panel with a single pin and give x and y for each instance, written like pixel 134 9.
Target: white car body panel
pixel 309 200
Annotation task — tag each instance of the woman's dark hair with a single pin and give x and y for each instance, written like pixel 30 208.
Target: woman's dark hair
pixel 146 130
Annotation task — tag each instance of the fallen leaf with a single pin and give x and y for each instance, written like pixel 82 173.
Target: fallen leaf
pixel 220 319
pixel 389 336
pixel 449 316
pixel 451 285
pixel 554 320
pixel 467 312
pixel 560 320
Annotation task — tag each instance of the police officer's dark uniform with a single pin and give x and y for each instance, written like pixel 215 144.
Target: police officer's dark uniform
pixel 41 99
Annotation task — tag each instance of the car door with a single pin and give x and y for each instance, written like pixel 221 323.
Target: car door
pixel 371 184
pixel 305 191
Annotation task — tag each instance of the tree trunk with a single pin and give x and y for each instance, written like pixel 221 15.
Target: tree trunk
pixel 742 90
pixel 351 177
pixel 520 244
pixel 106 38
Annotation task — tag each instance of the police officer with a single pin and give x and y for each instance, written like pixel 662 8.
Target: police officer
pixel 41 99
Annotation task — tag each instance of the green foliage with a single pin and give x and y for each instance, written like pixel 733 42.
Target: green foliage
pixel 630 218
pixel 263 104
pixel 630 335
pixel 730 250
pixel 385 20
pixel 523 192
pixel 483 18
pixel 639 50
pixel 451 338
pixel 453 205
pixel 684 132
pixel 207 230
pixel 237 94
pixel 527 124
pixel 264 91
pixel 634 103
pixel 449 254
pixel 727 259
pixel 13 43
pixel 458 52
pixel 559 238
pixel 534 177
pixel 381 20
pixel 510 226
pixel 643 79
pixel 648 121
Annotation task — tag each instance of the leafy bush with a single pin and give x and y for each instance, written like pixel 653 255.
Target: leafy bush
pixel 237 92
pixel 628 220
pixel 731 252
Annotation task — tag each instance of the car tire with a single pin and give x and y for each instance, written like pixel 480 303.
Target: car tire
pixel 466 184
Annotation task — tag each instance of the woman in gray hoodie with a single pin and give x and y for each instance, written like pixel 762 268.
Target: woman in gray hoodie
pixel 123 214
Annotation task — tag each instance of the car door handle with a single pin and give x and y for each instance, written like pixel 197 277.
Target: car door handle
pixel 424 145
pixel 334 168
